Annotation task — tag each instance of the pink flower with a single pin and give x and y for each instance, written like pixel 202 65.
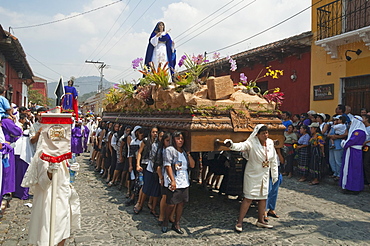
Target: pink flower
pixel 243 79
pixel 216 55
pixel 233 65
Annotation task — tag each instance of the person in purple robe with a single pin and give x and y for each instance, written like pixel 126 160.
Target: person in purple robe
pixel 352 172
pixel 86 137
pixel 8 178
pixel 11 131
pixel 76 139
pixel 23 153
pixel 160 48
pixel 70 103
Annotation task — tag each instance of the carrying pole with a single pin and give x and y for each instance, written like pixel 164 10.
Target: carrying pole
pixel 54 187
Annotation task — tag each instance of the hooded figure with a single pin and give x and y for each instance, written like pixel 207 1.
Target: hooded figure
pixel 352 173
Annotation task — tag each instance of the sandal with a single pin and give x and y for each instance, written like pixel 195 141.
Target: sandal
pixel 110 184
pixel 272 214
pixel 136 210
pixel 154 213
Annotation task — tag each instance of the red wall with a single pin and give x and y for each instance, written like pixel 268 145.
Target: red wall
pixel 12 78
pixel 40 87
pixel 297 94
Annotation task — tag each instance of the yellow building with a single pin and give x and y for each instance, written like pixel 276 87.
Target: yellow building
pixel 340 55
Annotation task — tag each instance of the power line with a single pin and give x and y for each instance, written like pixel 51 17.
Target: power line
pixel 66 18
pixel 43 76
pixel 111 28
pixel 259 33
pixel 206 18
pixel 45 65
pixel 129 29
pixel 118 28
pixel 122 73
pixel 217 23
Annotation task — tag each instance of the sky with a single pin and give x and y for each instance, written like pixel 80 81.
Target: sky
pixel 119 33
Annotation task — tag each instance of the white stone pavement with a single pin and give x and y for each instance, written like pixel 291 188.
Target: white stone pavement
pixel 309 215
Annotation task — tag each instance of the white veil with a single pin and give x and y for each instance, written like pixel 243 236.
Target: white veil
pixel 356 124
pixel 252 138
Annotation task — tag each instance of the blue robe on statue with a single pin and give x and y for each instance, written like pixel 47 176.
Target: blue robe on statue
pixel 76 140
pixel 69 99
pixel 171 56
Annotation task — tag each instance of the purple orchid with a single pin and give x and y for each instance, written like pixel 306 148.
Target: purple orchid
pixel 243 79
pixel 216 55
pixel 233 65
pixel 181 62
pixel 136 63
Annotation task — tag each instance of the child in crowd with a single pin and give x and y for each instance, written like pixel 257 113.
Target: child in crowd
pixel 339 128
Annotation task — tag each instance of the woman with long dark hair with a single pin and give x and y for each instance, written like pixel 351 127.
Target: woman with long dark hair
pixel 122 164
pixel 145 163
pixel 176 162
pixel 133 142
pixel 317 153
pixel 303 153
pixel 165 141
pixel 116 144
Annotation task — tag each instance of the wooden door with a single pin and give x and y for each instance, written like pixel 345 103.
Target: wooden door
pixel 357 93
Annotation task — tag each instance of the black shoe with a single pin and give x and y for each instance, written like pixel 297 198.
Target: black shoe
pixel 164 229
pixel 129 202
pixel 179 231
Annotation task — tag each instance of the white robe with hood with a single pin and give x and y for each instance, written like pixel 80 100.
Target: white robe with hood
pixel 256 177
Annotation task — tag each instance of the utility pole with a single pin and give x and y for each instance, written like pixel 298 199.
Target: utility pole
pixel 100 86
pixel 101 67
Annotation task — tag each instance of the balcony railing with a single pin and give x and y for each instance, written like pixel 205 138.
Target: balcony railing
pixel 342 16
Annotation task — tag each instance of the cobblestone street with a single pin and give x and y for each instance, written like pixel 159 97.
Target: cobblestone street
pixel 309 215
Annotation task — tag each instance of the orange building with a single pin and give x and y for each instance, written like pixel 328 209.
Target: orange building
pixel 340 56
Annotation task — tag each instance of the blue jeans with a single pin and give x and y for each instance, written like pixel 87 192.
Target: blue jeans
pixel 335 160
pixel 273 193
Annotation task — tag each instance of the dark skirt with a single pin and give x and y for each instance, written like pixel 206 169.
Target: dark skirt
pixel 151 185
pixel 122 166
pixel 20 169
pixel 316 163
pixel 177 196
pixel 303 161
pixel 113 162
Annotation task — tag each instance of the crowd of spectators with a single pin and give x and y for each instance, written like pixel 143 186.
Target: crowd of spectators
pixel 319 145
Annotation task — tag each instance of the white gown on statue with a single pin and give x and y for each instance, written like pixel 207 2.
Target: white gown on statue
pixel 160 52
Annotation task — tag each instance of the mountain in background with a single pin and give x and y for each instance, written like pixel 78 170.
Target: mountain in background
pixel 83 85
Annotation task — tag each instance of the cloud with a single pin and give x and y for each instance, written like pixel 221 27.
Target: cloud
pixel 75 40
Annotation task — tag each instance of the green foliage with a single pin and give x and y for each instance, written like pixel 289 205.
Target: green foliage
pixel 85 96
pixel 127 89
pixel 51 102
pixel 159 76
pixel 36 96
pixel 113 96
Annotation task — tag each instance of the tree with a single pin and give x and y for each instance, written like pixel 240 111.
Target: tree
pixel 36 97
